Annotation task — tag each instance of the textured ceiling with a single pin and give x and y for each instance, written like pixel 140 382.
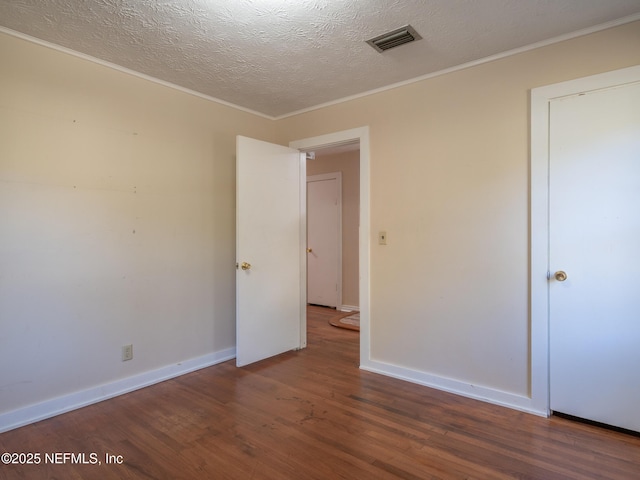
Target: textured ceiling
pixel 281 56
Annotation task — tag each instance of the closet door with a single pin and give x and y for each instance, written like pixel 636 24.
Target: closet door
pixel 594 229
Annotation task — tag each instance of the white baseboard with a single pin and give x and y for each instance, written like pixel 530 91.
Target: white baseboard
pixel 485 394
pixel 66 403
pixel 348 308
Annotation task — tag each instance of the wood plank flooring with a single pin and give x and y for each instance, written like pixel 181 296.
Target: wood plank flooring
pixel 313 414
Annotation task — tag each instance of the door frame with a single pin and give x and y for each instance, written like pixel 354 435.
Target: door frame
pixel 541 99
pixel 360 134
pixel 337 176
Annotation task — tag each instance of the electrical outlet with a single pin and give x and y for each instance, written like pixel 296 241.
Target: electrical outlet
pixel 127 352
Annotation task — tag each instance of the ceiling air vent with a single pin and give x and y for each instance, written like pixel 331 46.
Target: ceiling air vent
pixel 394 38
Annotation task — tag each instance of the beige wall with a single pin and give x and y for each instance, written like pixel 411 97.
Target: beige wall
pixel 117 217
pixel 449 184
pixel 117 224
pixel 348 164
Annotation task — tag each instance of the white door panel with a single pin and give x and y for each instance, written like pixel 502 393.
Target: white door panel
pixel 595 238
pixel 268 238
pixel 323 239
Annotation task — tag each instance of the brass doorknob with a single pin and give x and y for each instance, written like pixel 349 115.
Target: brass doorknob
pixel 245 266
pixel 309 250
pixel 560 276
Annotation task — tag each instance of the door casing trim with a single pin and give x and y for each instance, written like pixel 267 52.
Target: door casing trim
pixel 360 134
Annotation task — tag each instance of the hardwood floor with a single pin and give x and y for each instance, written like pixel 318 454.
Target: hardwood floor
pixel 313 414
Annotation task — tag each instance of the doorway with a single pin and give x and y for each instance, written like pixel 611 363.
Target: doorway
pixel 333 206
pixel 571 131
pixel 359 137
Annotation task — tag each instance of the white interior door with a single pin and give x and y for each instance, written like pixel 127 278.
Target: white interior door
pixel 594 228
pixel 324 232
pixel 270 276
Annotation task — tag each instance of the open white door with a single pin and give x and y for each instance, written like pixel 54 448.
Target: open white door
pixel 270 275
